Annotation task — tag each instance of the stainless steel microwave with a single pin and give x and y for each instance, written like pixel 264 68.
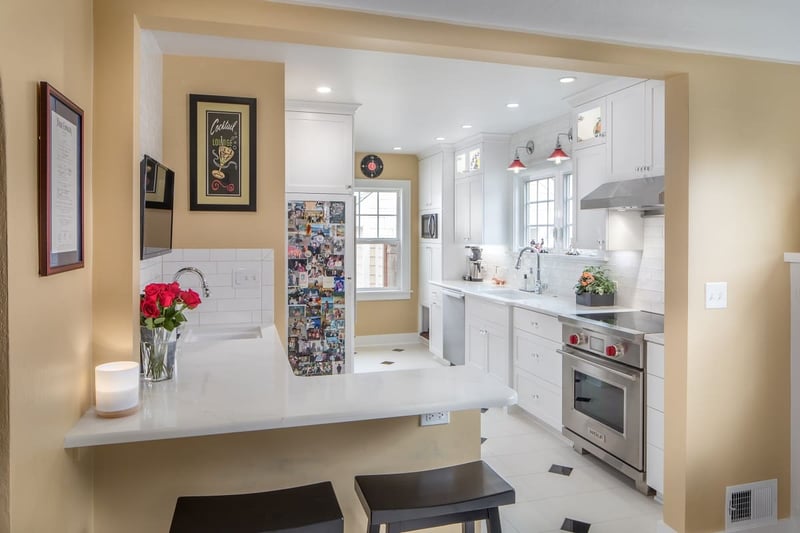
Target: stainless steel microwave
pixel 430 226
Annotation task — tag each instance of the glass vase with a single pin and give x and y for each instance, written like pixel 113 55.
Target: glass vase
pixel 157 351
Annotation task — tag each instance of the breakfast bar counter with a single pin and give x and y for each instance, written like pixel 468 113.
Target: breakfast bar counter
pixel 246 385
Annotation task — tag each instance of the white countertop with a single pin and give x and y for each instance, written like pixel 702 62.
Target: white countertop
pixel 246 385
pixel 544 303
pixel 657 338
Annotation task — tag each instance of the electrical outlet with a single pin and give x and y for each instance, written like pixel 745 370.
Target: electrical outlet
pixel 434 419
pixel 245 277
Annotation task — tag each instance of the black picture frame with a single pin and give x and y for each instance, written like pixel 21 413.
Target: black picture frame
pixel 158 183
pixel 61 176
pixel 222 153
pixel 155 208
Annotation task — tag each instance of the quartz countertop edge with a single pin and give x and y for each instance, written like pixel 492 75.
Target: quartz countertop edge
pixel 246 385
pixel 657 338
pixel 546 303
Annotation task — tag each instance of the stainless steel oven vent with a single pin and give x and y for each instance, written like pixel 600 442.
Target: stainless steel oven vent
pixel 751 505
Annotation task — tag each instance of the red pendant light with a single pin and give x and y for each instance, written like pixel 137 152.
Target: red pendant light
pixel 558 154
pixel 516 165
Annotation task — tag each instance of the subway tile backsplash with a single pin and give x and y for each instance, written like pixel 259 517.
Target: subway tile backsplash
pixel 242 283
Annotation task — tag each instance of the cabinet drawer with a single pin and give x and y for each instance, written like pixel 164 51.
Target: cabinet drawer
pixel 655 359
pixel 655 393
pixel 539 398
pixel 655 468
pixel 481 309
pixel 655 427
pixel 537 323
pixel 537 356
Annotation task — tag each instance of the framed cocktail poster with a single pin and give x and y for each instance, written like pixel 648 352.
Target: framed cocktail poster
pixel 222 153
pixel 60 182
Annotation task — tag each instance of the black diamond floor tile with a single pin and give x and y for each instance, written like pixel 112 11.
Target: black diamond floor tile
pixel 483 439
pixel 398 349
pixel 563 470
pixel 575 526
pixel 387 362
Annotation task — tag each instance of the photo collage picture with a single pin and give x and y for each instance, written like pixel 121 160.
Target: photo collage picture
pixel 316 297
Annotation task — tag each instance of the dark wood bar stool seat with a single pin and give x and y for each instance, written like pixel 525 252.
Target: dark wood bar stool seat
pixel 452 495
pixel 307 509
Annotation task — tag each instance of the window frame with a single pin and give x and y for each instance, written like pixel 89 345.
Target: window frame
pixel 404 239
pixel 520 204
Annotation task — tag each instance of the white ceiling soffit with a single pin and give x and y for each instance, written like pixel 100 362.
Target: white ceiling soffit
pixel 406 100
pixel 764 30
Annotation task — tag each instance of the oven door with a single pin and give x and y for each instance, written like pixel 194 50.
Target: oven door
pixel 602 402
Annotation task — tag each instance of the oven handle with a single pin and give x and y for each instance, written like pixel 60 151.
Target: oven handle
pixel 604 366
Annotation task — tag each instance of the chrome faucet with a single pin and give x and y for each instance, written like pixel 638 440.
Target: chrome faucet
pixel 538 286
pixel 184 270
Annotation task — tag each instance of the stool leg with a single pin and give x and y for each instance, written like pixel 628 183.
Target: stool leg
pixel 468 527
pixel 493 521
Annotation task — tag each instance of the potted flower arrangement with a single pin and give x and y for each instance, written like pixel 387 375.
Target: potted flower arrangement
pixel 594 287
pixel 161 311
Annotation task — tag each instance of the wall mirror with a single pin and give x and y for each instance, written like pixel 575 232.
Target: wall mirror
pixel 157 184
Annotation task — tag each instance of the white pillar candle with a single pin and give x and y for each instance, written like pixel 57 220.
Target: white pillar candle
pixel 116 388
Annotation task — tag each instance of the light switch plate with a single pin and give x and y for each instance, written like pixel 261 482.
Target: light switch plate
pixel 245 278
pixel 716 295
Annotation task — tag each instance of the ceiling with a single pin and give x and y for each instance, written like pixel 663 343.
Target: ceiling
pixel 765 30
pixel 405 100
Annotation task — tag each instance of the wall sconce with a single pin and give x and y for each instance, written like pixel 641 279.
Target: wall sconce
pixel 558 154
pixel 116 389
pixel 516 165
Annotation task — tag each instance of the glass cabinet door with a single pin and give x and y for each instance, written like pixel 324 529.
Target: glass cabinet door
pixel 590 124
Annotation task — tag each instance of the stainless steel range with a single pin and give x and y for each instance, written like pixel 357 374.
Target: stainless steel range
pixel 603 407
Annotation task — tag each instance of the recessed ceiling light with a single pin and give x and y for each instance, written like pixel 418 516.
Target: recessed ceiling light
pixel 322 89
pixel 512 105
pixel 439 138
pixel 397 148
pixel 466 126
pixel 567 79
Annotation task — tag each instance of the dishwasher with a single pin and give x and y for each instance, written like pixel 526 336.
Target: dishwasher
pixel 453 326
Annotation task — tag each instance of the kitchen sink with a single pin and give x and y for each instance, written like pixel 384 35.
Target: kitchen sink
pixel 221 333
pixel 512 294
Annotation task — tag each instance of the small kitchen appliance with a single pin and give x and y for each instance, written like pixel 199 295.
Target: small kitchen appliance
pixel 603 371
pixel 474 269
pixel 429 226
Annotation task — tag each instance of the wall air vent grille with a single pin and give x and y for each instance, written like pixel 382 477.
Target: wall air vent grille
pixel 751 505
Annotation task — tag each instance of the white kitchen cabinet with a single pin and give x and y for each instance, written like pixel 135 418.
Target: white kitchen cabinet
pixel 589 166
pixel 483 192
pixel 589 124
pixel 435 333
pixel 487 334
pixel 655 418
pixel 537 364
pixel 636 131
pixel 319 148
pixel 430 181
pixel 430 269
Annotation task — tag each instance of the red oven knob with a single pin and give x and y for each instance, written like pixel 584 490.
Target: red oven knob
pixel 614 350
pixel 574 339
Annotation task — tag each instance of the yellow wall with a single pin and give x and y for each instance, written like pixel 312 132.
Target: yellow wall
pixel 136 484
pixel 5 518
pixel 263 228
pixel 49 318
pixel 394 316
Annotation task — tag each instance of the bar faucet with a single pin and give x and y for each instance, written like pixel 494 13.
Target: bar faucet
pixel 193 270
pixel 538 286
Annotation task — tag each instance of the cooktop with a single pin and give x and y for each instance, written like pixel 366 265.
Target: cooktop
pixel 641 321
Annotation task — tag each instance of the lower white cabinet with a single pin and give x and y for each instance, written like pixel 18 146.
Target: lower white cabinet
pixel 537 364
pixel 655 418
pixel 487 335
pixel 436 324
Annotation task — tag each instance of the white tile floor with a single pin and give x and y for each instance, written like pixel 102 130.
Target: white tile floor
pixel 521 449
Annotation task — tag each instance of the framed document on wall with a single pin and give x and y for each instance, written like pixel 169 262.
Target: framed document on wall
pixel 60 182
pixel 222 153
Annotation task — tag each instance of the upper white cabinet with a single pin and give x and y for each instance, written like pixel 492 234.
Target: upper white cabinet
pixel 636 131
pixel 589 124
pixel 430 181
pixel 589 166
pixel 482 191
pixel 319 147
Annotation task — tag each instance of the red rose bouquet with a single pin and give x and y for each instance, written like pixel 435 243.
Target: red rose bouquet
pixel 162 305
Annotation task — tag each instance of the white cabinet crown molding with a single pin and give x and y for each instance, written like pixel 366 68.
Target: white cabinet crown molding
pixel 482 137
pixel 310 106
pixel 599 91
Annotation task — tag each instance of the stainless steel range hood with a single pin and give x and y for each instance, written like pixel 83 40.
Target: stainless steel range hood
pixel 645 194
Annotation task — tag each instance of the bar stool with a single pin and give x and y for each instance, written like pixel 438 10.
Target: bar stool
pixel 306 509
pixel 452 495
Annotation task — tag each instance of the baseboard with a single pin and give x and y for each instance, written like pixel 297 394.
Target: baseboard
pixel 787 525
pixel 392 339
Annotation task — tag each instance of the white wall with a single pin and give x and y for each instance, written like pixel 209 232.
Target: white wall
pixel 150 97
